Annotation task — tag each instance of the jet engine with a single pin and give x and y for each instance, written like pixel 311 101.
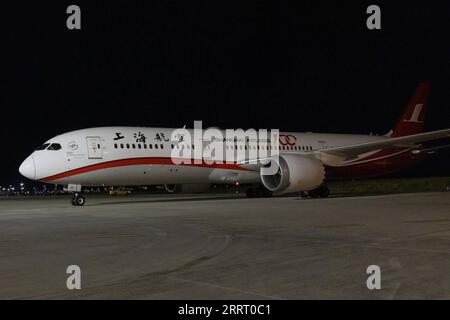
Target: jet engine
pixel 295 173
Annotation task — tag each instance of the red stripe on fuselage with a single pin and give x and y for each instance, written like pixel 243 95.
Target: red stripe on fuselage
pixel 139 161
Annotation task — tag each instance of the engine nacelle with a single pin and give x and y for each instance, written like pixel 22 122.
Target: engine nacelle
pixel 187 188
pixel 295 173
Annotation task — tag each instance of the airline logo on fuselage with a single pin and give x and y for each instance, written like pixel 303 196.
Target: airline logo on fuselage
pixel 288 140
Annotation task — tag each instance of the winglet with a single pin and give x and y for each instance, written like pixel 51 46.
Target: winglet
pixel 412 120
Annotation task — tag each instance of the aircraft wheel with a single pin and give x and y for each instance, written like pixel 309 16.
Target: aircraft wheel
pixel 258 193
pixel 78 200
pixel 324 192
pixel 314 193
pixel 320 192
pixel 304 194
pixel 250 193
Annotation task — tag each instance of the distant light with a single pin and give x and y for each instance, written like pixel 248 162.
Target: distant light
pixel 237 183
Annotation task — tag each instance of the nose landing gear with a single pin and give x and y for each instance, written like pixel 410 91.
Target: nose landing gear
pixel 78 200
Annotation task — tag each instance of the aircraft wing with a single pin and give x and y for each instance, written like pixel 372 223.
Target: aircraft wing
pixel 336 155
pixel 432 150
pixel 353 151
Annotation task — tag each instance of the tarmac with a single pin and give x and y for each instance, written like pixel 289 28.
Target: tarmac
pixel 226 247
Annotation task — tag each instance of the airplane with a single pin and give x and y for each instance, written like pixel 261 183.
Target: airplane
pixel 117 156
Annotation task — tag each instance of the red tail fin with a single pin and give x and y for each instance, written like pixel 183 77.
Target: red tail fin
pixel 412 120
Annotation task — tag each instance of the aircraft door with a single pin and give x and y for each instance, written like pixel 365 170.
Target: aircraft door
pixel 94 146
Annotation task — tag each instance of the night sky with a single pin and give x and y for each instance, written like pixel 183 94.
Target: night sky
pixel 296 66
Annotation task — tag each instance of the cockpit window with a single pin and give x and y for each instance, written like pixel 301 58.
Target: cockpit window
pixel 43 147
pixel 54 146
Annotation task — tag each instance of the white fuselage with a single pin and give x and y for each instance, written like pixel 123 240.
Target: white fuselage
pixel 112 156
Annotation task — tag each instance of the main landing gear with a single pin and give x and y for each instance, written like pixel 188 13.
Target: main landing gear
pixel 258 193
pixel 78 200
pixel 320 192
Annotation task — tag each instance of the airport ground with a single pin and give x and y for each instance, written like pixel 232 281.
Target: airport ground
pixel 226 247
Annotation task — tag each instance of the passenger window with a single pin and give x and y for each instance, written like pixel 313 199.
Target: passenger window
pixel 156 146
pixel 54 147
pixel 145 146
pixel 150 146
pixel 128 146
pixel 43 147
pixel 115 145
pixel 139 146
pixel 121 146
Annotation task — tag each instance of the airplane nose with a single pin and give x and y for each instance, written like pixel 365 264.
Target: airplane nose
pixel 28 168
